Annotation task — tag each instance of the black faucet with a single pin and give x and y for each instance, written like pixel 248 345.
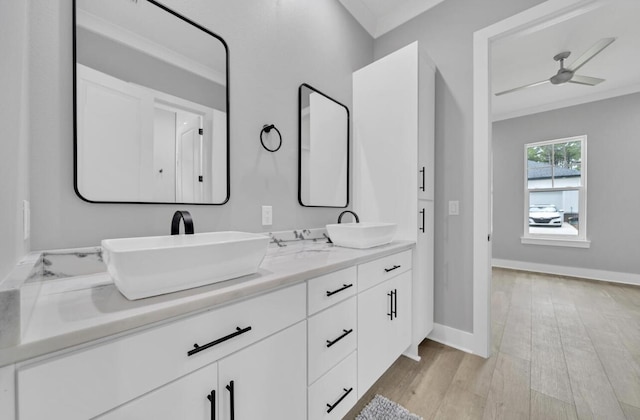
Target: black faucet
pixel 348 211
pixel 185 216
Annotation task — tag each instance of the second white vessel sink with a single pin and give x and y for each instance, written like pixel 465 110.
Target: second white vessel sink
pixel 154 265
pixel 361 235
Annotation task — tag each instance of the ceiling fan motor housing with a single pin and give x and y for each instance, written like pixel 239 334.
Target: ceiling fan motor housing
pixel 563 76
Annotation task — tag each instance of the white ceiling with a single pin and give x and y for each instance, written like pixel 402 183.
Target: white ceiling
pixel 380 16
pixel 527 57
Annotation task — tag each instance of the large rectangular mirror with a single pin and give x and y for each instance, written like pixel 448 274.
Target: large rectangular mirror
pixel 151 105
pixel 323 160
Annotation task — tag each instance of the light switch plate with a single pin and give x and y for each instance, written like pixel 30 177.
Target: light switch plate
pixel 454 208
pixel 267 215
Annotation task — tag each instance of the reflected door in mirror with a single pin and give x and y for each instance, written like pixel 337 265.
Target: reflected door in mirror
pixel 323 150
pixel 151 106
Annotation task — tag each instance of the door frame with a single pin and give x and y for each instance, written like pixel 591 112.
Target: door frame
pixel 544 15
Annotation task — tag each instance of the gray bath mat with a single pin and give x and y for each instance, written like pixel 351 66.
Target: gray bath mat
pixel 381 408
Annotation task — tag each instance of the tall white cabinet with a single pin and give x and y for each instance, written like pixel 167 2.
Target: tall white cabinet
pixel 393 160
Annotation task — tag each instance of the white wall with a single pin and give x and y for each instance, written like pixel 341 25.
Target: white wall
pixel 446 33
pixel 612 127
pixel 275 45
pixel 14 117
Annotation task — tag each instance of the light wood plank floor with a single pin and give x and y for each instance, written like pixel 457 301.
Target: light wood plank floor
pixel 563 348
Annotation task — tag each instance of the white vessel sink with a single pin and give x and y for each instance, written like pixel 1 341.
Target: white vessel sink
pixel 154 265
pixel 361 235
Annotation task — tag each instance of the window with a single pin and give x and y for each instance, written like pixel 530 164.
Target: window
pixel 555 192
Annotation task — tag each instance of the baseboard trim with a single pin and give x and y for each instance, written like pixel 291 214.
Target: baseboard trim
pixel 587 273
pixel 452 337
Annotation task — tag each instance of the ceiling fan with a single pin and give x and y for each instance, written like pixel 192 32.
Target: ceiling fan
pixel 568 74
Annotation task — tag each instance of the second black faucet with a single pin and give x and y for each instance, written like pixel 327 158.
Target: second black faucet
pixel 185 216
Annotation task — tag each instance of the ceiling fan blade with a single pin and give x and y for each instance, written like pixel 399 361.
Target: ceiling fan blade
pixel 542 82
pixel 585 80
pixel 590 53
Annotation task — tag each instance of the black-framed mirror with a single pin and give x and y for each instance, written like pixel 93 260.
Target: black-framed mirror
pixel 323 150
pixel 151 105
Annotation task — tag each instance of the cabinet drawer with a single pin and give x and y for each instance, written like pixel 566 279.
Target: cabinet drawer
pixel 87 382
pixel 186 398
pixel 331 288
pixel 375 272
pixel 332 336
pixel 336 389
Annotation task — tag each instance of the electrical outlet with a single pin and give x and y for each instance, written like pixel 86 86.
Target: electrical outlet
pixel 267 215
pixel 26 219
pixel 454 208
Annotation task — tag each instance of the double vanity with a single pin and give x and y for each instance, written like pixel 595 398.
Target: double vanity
pixel 303 337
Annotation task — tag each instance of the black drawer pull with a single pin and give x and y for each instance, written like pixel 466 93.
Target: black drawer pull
pixel 346 392
pixel 232 403
pixel 197 348
pixel 345 333
pixel 344 287
pixel 392 268
pixel 422 213
pixel 212 397
pixel 423 183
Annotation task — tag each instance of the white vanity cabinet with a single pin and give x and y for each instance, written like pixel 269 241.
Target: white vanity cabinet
pixel 265 380
pixel 308 350
pixel 384 316
pixel 92 380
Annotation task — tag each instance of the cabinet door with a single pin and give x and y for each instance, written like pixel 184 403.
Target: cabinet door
pixel 384 328
pixel 190 397
pixel 267 380
pixel 422 290
pixel 426 126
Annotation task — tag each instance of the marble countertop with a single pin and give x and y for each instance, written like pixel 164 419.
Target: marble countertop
pixel 75 310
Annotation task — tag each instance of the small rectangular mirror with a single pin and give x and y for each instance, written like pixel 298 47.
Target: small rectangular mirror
pixel 323 160
pixel 150 105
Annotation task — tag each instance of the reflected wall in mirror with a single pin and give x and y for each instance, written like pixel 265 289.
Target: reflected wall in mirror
pixel 323 161
pixel 151 105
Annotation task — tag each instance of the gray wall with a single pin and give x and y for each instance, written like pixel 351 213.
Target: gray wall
pixel 13 132
pixel 446 33
pixel 274 46
pixel 613 203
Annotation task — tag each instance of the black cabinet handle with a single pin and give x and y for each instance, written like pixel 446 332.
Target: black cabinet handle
pixel 422 213
pixel 232 410
pixel 344 334
pixel 392 268
pixel 197 348
pixel 344 287
pixel 346 392
pixel 212 397
pixel 423 183
pixel 395 303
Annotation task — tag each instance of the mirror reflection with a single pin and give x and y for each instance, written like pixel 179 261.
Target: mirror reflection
pixel 151 105
pixel 323 178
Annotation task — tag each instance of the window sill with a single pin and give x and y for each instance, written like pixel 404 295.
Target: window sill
pixel 574 243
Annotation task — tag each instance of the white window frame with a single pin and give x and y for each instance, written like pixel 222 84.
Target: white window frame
pixel 580 240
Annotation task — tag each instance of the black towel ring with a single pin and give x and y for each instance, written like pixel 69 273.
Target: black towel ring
pixel 266 129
